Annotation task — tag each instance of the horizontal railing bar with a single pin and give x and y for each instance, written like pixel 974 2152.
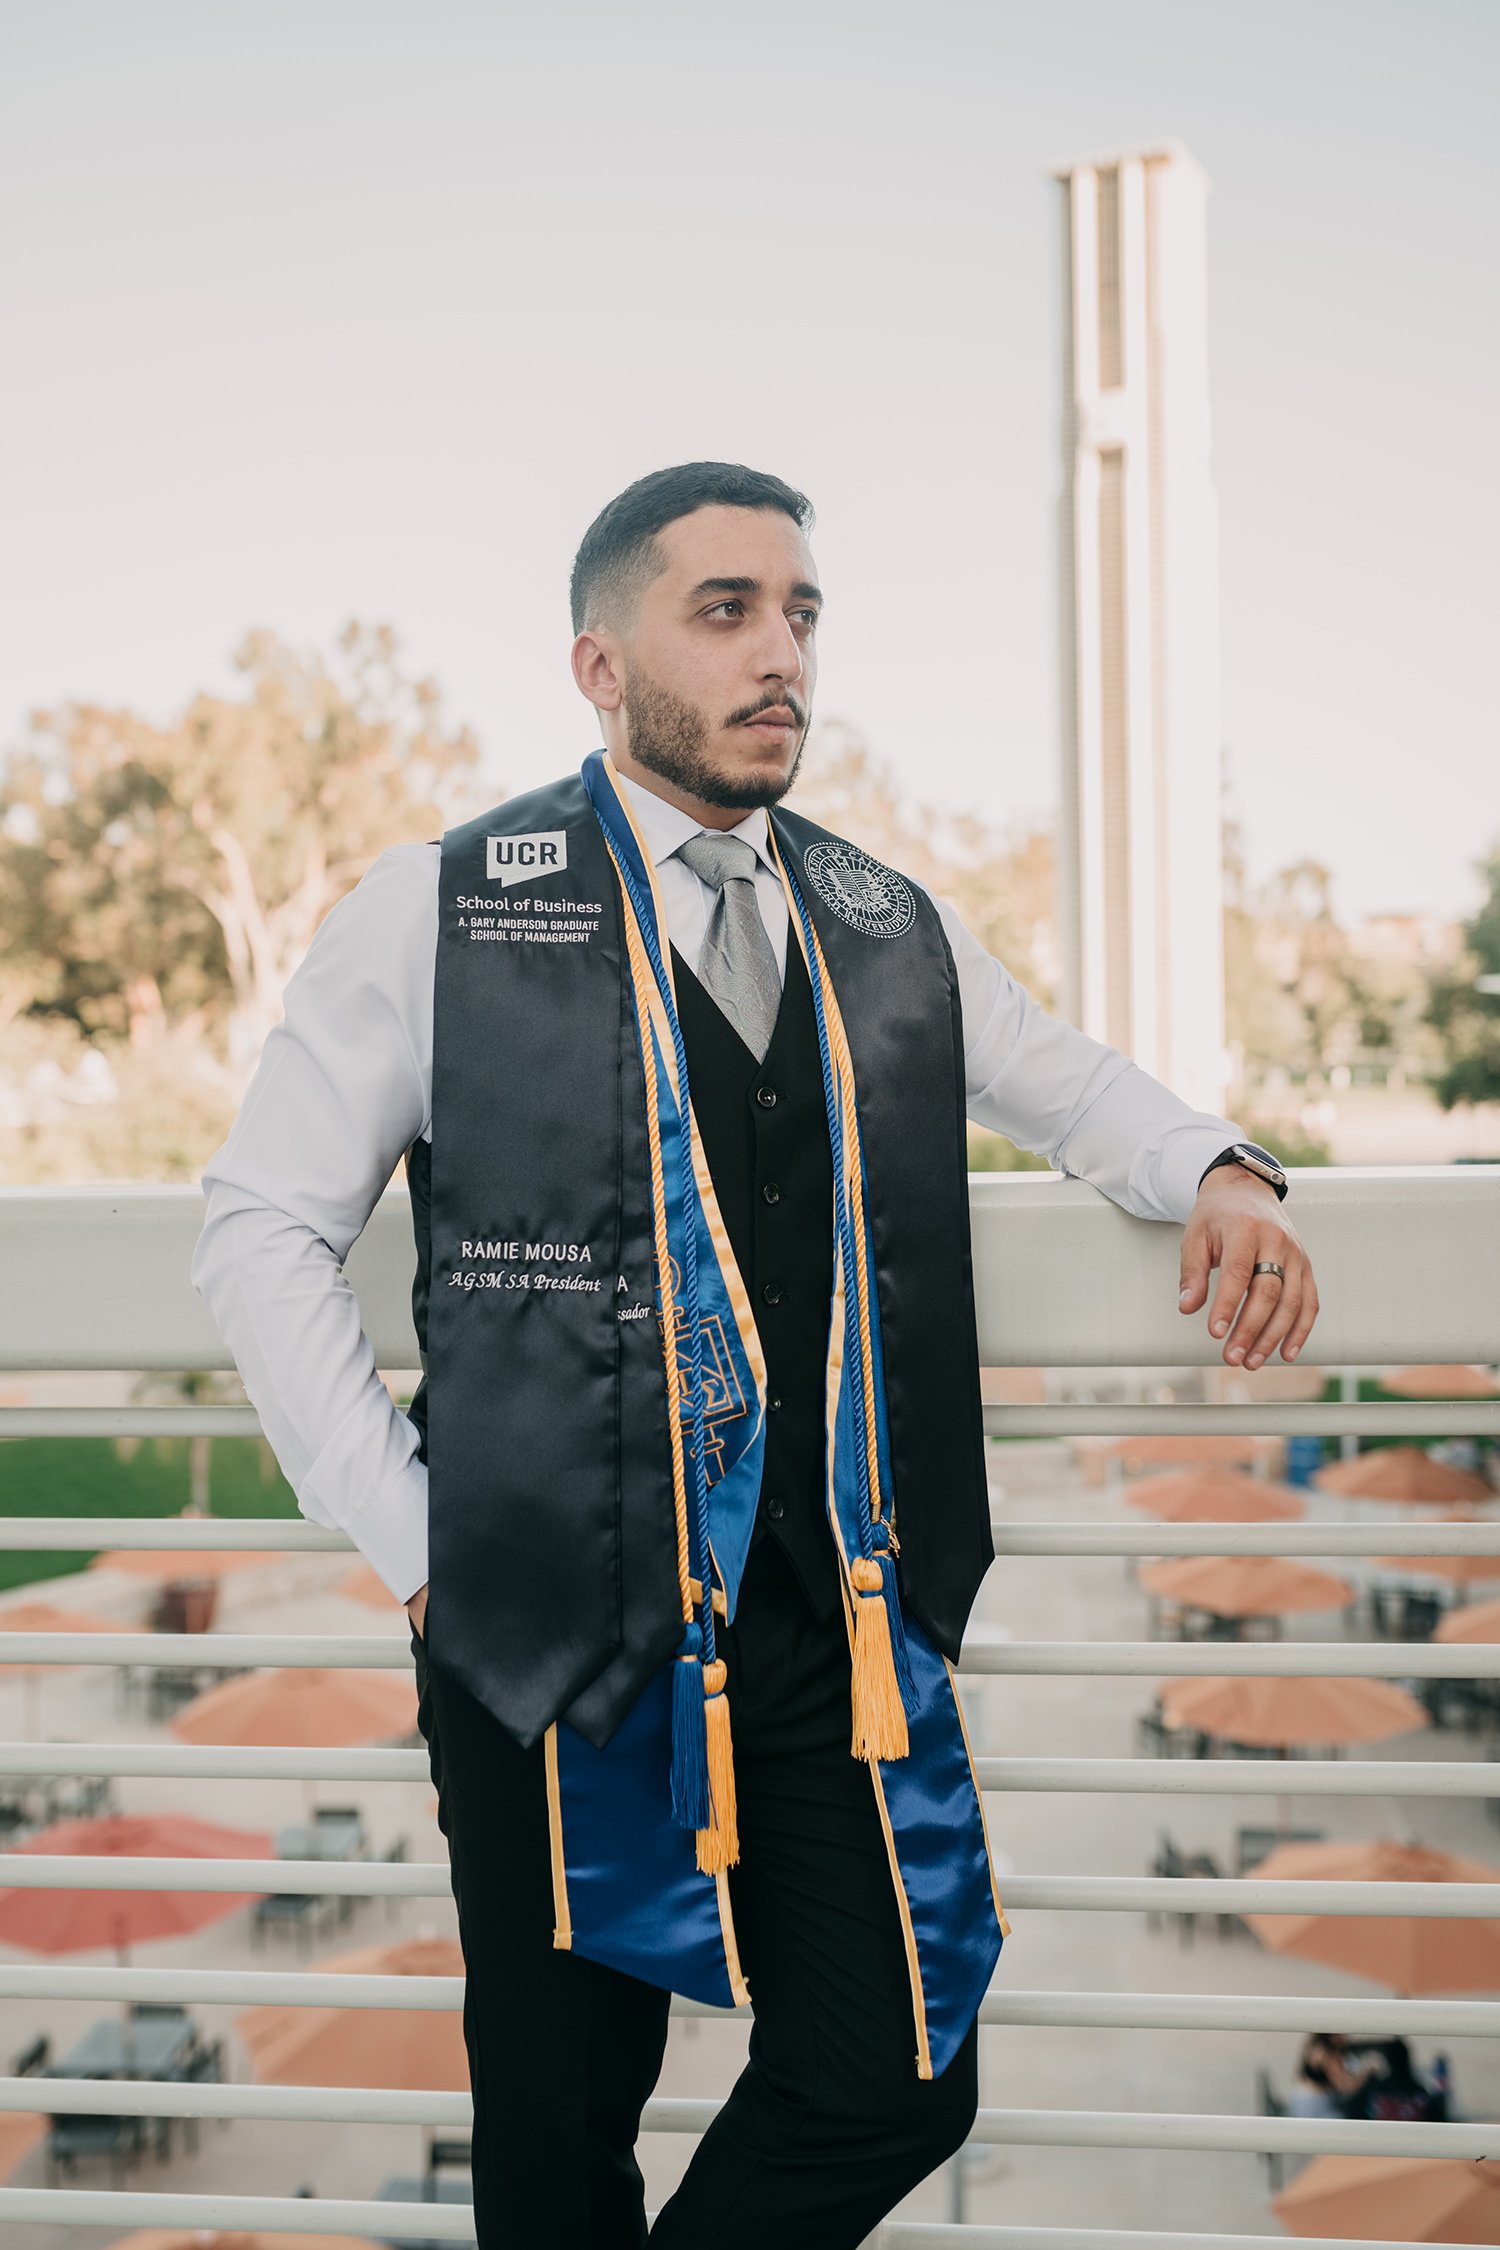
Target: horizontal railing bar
pixel 1431 1418
pixel 128 1421
pixel 454 2222
pixel 198 1761
pixel 1167 1777
pixel 273 2214
pixel 937 2234
pixel 1037 2128
pixel 275 1535
pixel 1251 1777
pixel 355 1878
pixel 1382 1660
pixel 1120 2011
pixel 1243 1660
pixel 1403 1537
pixel 1218 2011
pixel 1130 1894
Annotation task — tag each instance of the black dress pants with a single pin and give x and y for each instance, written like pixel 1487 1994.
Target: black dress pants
pixel 828 2126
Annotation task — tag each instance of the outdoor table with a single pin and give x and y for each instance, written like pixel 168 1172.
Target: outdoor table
pixel 146 2047
pixel 324 1839
pixel 321 1839
pixel 1252 1845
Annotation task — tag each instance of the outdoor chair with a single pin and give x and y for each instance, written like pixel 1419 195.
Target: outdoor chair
pixel 204 2067
pixel 121 2139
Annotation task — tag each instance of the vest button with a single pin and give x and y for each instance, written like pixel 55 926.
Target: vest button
pixel 773 1404
pixel 772 1292
pixel 771 1192
pixel 766 1096
pixel 776 1506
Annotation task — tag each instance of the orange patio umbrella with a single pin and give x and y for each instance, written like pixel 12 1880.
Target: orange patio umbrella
pixel 1213 1496
pixel 1408 1953
pixel 47 1617
pixel 1246 1585
pixel 1402 2198
pixel 1402 1472
pixel 1222 1449
pixel 1459 1570
pixel 69 1921
pixel 1440 1382
pixel 344 2046
pixel 364 1584
pixel 311 1706
pixel 1274 1713
pixel 21 2130
pixel 1476 1621
pixel 177 1562
pixel 333 2046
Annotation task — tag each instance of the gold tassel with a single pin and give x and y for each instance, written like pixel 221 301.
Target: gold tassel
pixel 719 1846
pixel 879 1714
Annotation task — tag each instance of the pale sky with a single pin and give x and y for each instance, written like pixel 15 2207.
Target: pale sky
pixel 323 310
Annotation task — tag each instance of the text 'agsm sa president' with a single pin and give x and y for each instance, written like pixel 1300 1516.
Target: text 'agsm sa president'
pixel 680 1079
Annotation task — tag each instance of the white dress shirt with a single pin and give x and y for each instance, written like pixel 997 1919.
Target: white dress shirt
pixel 344 1086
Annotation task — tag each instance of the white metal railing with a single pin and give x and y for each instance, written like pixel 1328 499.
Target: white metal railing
pixel 1407 1266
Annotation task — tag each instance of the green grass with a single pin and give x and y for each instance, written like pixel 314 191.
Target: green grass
pixel 88 1477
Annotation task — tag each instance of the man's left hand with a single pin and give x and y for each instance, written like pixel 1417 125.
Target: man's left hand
pixel 1236 1222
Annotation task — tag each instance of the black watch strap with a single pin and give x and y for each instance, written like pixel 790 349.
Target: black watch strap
pixel 1237 1152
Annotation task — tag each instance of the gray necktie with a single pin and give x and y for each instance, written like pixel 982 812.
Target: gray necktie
pixel 737 963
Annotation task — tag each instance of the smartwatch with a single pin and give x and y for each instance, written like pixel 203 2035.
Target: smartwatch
pixel 1255 1159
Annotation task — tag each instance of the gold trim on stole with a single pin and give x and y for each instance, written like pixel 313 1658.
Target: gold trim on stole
pixel 562 1933
pixel 989 1857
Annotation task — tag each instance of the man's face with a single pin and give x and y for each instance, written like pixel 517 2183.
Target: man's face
pixel 716 672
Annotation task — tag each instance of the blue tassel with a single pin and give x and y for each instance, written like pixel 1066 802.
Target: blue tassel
pixel 906 1686
pixel 692 1806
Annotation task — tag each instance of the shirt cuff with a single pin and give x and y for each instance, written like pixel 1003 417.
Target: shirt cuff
pixel 390 1531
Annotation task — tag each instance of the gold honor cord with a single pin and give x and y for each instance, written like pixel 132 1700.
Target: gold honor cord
pixel 718 1843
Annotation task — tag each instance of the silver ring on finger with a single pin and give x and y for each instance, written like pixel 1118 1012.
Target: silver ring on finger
pixel 1267 1265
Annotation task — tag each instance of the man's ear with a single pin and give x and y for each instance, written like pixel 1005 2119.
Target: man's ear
pixel 598 670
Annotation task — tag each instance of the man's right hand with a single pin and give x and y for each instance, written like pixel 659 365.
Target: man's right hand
pixel 416 1610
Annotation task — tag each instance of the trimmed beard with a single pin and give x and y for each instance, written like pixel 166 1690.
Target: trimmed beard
pixel 667 736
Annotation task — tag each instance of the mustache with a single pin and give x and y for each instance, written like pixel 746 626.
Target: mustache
pixel 786 701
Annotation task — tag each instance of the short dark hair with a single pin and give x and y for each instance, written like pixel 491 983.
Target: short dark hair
pixel 618 554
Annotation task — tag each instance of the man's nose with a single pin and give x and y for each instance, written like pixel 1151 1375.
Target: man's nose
pixel 778 654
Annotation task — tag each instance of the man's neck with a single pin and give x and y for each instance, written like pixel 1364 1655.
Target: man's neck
pixel 706 815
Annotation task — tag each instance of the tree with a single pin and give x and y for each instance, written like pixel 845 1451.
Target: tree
pixel 152 875
pixel 1465 1018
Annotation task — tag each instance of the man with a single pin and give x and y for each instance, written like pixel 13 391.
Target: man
pixel 681 1081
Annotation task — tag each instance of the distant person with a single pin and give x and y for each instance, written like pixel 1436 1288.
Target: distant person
pixel 681 1081
pixel 1327 2085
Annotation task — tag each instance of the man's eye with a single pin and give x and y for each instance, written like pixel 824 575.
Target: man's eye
pixel 811 615
pixel 731 602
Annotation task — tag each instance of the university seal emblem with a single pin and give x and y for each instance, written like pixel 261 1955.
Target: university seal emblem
pixel 861 891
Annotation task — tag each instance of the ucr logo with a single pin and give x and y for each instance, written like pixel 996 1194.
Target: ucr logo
pixel 520 859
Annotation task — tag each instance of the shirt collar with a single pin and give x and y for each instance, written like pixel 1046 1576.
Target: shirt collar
pixel 664 826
